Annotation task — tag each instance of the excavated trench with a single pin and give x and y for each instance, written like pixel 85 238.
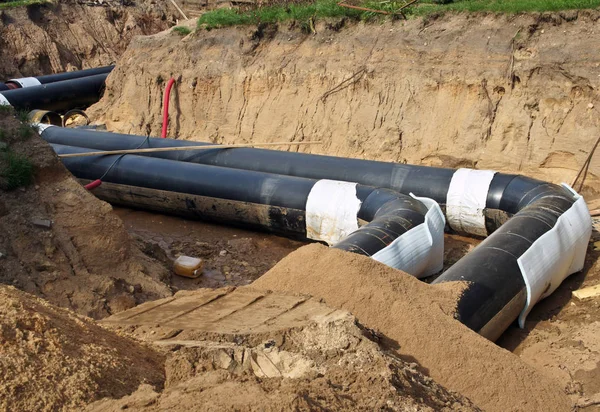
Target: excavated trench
pixel 366 100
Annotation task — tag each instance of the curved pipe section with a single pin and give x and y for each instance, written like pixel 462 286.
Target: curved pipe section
pixel 57 97
pixel 390 214
pixel 23 82
pixel 515 211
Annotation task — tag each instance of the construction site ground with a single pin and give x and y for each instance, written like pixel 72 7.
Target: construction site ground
pixel 92 316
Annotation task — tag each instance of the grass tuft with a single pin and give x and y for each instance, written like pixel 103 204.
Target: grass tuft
pixel 21 3
pixel 182 31
pixel 18 171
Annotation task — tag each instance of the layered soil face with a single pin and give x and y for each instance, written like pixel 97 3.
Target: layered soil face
pixel 68 35
pixel 511 93
pixel 61 243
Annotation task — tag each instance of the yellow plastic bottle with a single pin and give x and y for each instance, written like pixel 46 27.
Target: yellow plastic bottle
pixel 189 267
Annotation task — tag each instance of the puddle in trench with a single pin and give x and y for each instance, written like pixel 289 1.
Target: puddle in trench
pixel 232 256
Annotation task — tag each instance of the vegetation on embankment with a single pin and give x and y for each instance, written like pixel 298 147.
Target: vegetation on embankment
pixel 20 3
pixel 15 169
pixel 307 12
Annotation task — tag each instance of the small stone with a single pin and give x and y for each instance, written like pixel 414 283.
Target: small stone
pixel 542 31
pixel 590 105
pixel 2 255
pixel 222 253
pixel 43 223
pixel 37 187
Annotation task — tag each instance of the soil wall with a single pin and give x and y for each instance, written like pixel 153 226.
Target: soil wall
pixel 45 39
pixel 512 93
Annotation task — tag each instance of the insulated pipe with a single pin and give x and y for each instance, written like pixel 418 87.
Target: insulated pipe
pixel 59 96
pixel 389 214
pixel 53 78
pixel 496 290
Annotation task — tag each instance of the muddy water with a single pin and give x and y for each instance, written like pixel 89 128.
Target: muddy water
pixel 232 256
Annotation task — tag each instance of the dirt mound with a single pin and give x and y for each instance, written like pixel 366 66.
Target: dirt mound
pixel 414 318
pixel 53 359
pixel 59 242
pixel 66 35
pixel 460 91
pixel 244 349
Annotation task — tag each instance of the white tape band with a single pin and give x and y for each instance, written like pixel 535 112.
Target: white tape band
pixel 466 199
pixel 331 211
pixel 26 81
pixel 41 127
pixel 556 254
pixel 420 251
pixel 4 101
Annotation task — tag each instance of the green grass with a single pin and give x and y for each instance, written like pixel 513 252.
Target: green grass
pixel 21 3
pixel 274 14
pixel 329 8
pixel 503 6
pixel 18 171
pixel 182 31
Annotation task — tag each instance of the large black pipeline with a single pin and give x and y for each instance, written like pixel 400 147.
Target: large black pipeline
pixel 53 78
pixel 56 97
pixel 496 291
pixel 389 214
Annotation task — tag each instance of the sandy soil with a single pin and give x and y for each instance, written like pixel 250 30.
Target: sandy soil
pixel 67 35
pixel 52 359
pixel 62 244
pixel 254 350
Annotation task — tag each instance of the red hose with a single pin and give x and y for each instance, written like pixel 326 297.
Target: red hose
pixel 165 125
pixel 93 185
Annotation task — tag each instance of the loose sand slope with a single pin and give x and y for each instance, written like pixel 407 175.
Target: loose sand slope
pixel 52 359
pixel 415 318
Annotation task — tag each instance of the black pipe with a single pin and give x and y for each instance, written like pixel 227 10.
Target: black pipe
pixel 390 214
pixel 58 77
pixel 59 96
pixel 495 294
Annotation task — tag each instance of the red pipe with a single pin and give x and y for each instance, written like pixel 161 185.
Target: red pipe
pixel 165 125
pixel 93 185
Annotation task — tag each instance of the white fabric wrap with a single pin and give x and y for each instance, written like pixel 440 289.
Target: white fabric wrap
pixel 556 254
pixel 466 198
pixel 331 211
pixel 4 101
pixel 420 251
pixel 41 127
pixel 27 81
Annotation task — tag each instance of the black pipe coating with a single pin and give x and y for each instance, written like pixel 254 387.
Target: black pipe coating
pixel 59 77
pixel 60 96
pixel 390 214
pixel 495 294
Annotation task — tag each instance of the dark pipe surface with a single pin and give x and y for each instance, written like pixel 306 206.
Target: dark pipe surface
pixel 496 292
pixel 59 77
pixel 390 214
pixel 59 96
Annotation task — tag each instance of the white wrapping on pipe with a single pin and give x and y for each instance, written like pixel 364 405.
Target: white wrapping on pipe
pixel 466 199
pixel 41 126
pixel 420 251
pixel 27 81
pixel 556 254
pixel 331 211
pixel 4 101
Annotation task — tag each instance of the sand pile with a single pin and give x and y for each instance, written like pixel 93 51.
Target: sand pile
pixel 303 356
pixel 52 359
pixel 414 318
